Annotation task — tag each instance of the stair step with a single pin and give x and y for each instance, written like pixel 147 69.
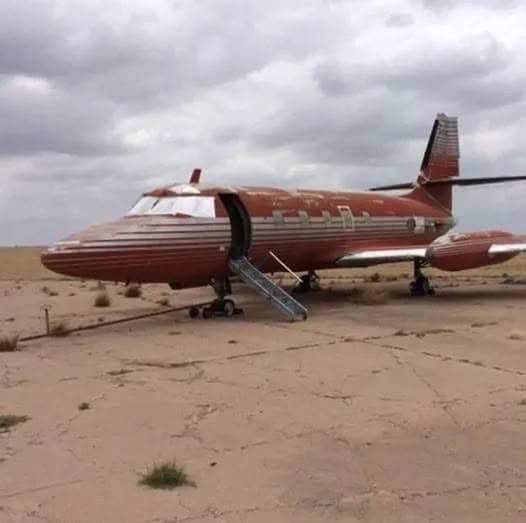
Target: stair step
pixel 280 298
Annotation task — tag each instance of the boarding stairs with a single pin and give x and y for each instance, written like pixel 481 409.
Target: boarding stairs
pixel 280 298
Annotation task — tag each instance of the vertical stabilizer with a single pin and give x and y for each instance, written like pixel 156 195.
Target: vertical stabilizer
pixel 442 151
pixel 440 161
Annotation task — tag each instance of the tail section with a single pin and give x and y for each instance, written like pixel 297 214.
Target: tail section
pixel 442 152
pixel 440 162
pixel 439 170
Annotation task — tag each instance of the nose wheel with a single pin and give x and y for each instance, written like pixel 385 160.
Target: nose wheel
pixel 221 306
pixel 420 286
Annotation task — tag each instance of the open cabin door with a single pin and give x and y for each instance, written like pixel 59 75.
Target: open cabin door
pixel 240 225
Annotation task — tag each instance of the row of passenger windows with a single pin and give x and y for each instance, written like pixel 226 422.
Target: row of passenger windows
pixel 345 213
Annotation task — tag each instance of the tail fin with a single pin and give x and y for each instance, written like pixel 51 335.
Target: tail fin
pixel 442 152
pixel 440 161
pixel 440 168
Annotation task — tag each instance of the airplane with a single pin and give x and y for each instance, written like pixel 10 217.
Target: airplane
pixel 193 235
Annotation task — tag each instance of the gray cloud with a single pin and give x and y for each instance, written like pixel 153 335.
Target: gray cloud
pixel 399 20
pixel 100 100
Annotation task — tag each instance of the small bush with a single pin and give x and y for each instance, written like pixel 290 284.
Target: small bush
pixel 8 343
pixel 164 302
pixel 102 300
pixel 9 420
pixel 166 476
pixel 84 405
pixel 374 278
pixel 59 329
pixel 517 336
pixel 133 291
pixel 48 291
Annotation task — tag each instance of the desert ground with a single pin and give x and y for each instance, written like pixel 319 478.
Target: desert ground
pixel 379 407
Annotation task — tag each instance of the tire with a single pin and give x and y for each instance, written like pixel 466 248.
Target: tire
pixel 425 287
pixel 193 312
pixel 207 313
pixel 229 307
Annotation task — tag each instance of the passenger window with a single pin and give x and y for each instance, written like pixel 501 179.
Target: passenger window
pixel 278 218
pixel 327 218
pixel 304 217
pixel 348 220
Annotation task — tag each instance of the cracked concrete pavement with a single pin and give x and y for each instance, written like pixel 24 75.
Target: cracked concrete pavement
pixel 413 410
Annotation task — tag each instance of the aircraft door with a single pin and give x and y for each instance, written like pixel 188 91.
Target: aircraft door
pixel 240 225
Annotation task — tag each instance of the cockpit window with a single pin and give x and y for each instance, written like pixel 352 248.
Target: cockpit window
pixel 143 204
pixel 195 206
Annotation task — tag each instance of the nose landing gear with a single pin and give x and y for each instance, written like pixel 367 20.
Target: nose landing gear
pixel 221 306
pixel 420 286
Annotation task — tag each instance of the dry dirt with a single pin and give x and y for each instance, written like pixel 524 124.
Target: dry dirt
pixel 410 410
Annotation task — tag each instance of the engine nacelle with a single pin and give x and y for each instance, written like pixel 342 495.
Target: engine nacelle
pixel 457 252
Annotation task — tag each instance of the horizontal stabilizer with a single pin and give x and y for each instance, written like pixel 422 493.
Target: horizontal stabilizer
pixel 450 182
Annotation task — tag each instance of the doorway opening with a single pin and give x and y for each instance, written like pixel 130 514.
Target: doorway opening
pixel 240 225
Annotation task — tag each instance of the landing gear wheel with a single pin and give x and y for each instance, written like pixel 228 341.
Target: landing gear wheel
pixel 193 312
pixel 309 282
pixel 208 313
pixel 421 287
pixel 229 307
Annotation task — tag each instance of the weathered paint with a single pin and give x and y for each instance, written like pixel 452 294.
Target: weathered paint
pixel 189 251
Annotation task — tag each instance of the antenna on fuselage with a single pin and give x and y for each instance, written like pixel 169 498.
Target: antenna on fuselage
pixel 196 176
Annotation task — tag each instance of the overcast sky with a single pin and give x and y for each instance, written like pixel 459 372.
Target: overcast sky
pixel 101 100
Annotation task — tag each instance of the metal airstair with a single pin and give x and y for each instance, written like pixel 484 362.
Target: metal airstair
pixel 280 298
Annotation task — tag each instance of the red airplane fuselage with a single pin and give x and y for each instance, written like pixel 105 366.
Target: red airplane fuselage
pixel 189 238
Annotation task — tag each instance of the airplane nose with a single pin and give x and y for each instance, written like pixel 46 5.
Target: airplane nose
pixel 57 257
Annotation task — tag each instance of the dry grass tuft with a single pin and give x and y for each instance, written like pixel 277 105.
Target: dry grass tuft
pixel 478 324
pixel 59 329
pixel 166 476
pixel 133 291
pixel 10 420
pixel 8 343
pixel 165 302
pixel 368 296
pixel 517 336
pixel 102 300
pixel 48 291
pixel 374 278
pixel 119 372
pixel 84 405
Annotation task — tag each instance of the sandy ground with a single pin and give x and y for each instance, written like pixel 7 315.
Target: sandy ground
pixel 411 410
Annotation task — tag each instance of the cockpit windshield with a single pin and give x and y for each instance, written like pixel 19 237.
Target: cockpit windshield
pixel 195 206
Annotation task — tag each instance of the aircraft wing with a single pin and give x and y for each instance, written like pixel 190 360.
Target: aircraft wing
pixel 507 248
pixel 374 257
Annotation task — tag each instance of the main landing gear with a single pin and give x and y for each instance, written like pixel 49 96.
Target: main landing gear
pixel 421 285
pixel 221 306
pixel 309 282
